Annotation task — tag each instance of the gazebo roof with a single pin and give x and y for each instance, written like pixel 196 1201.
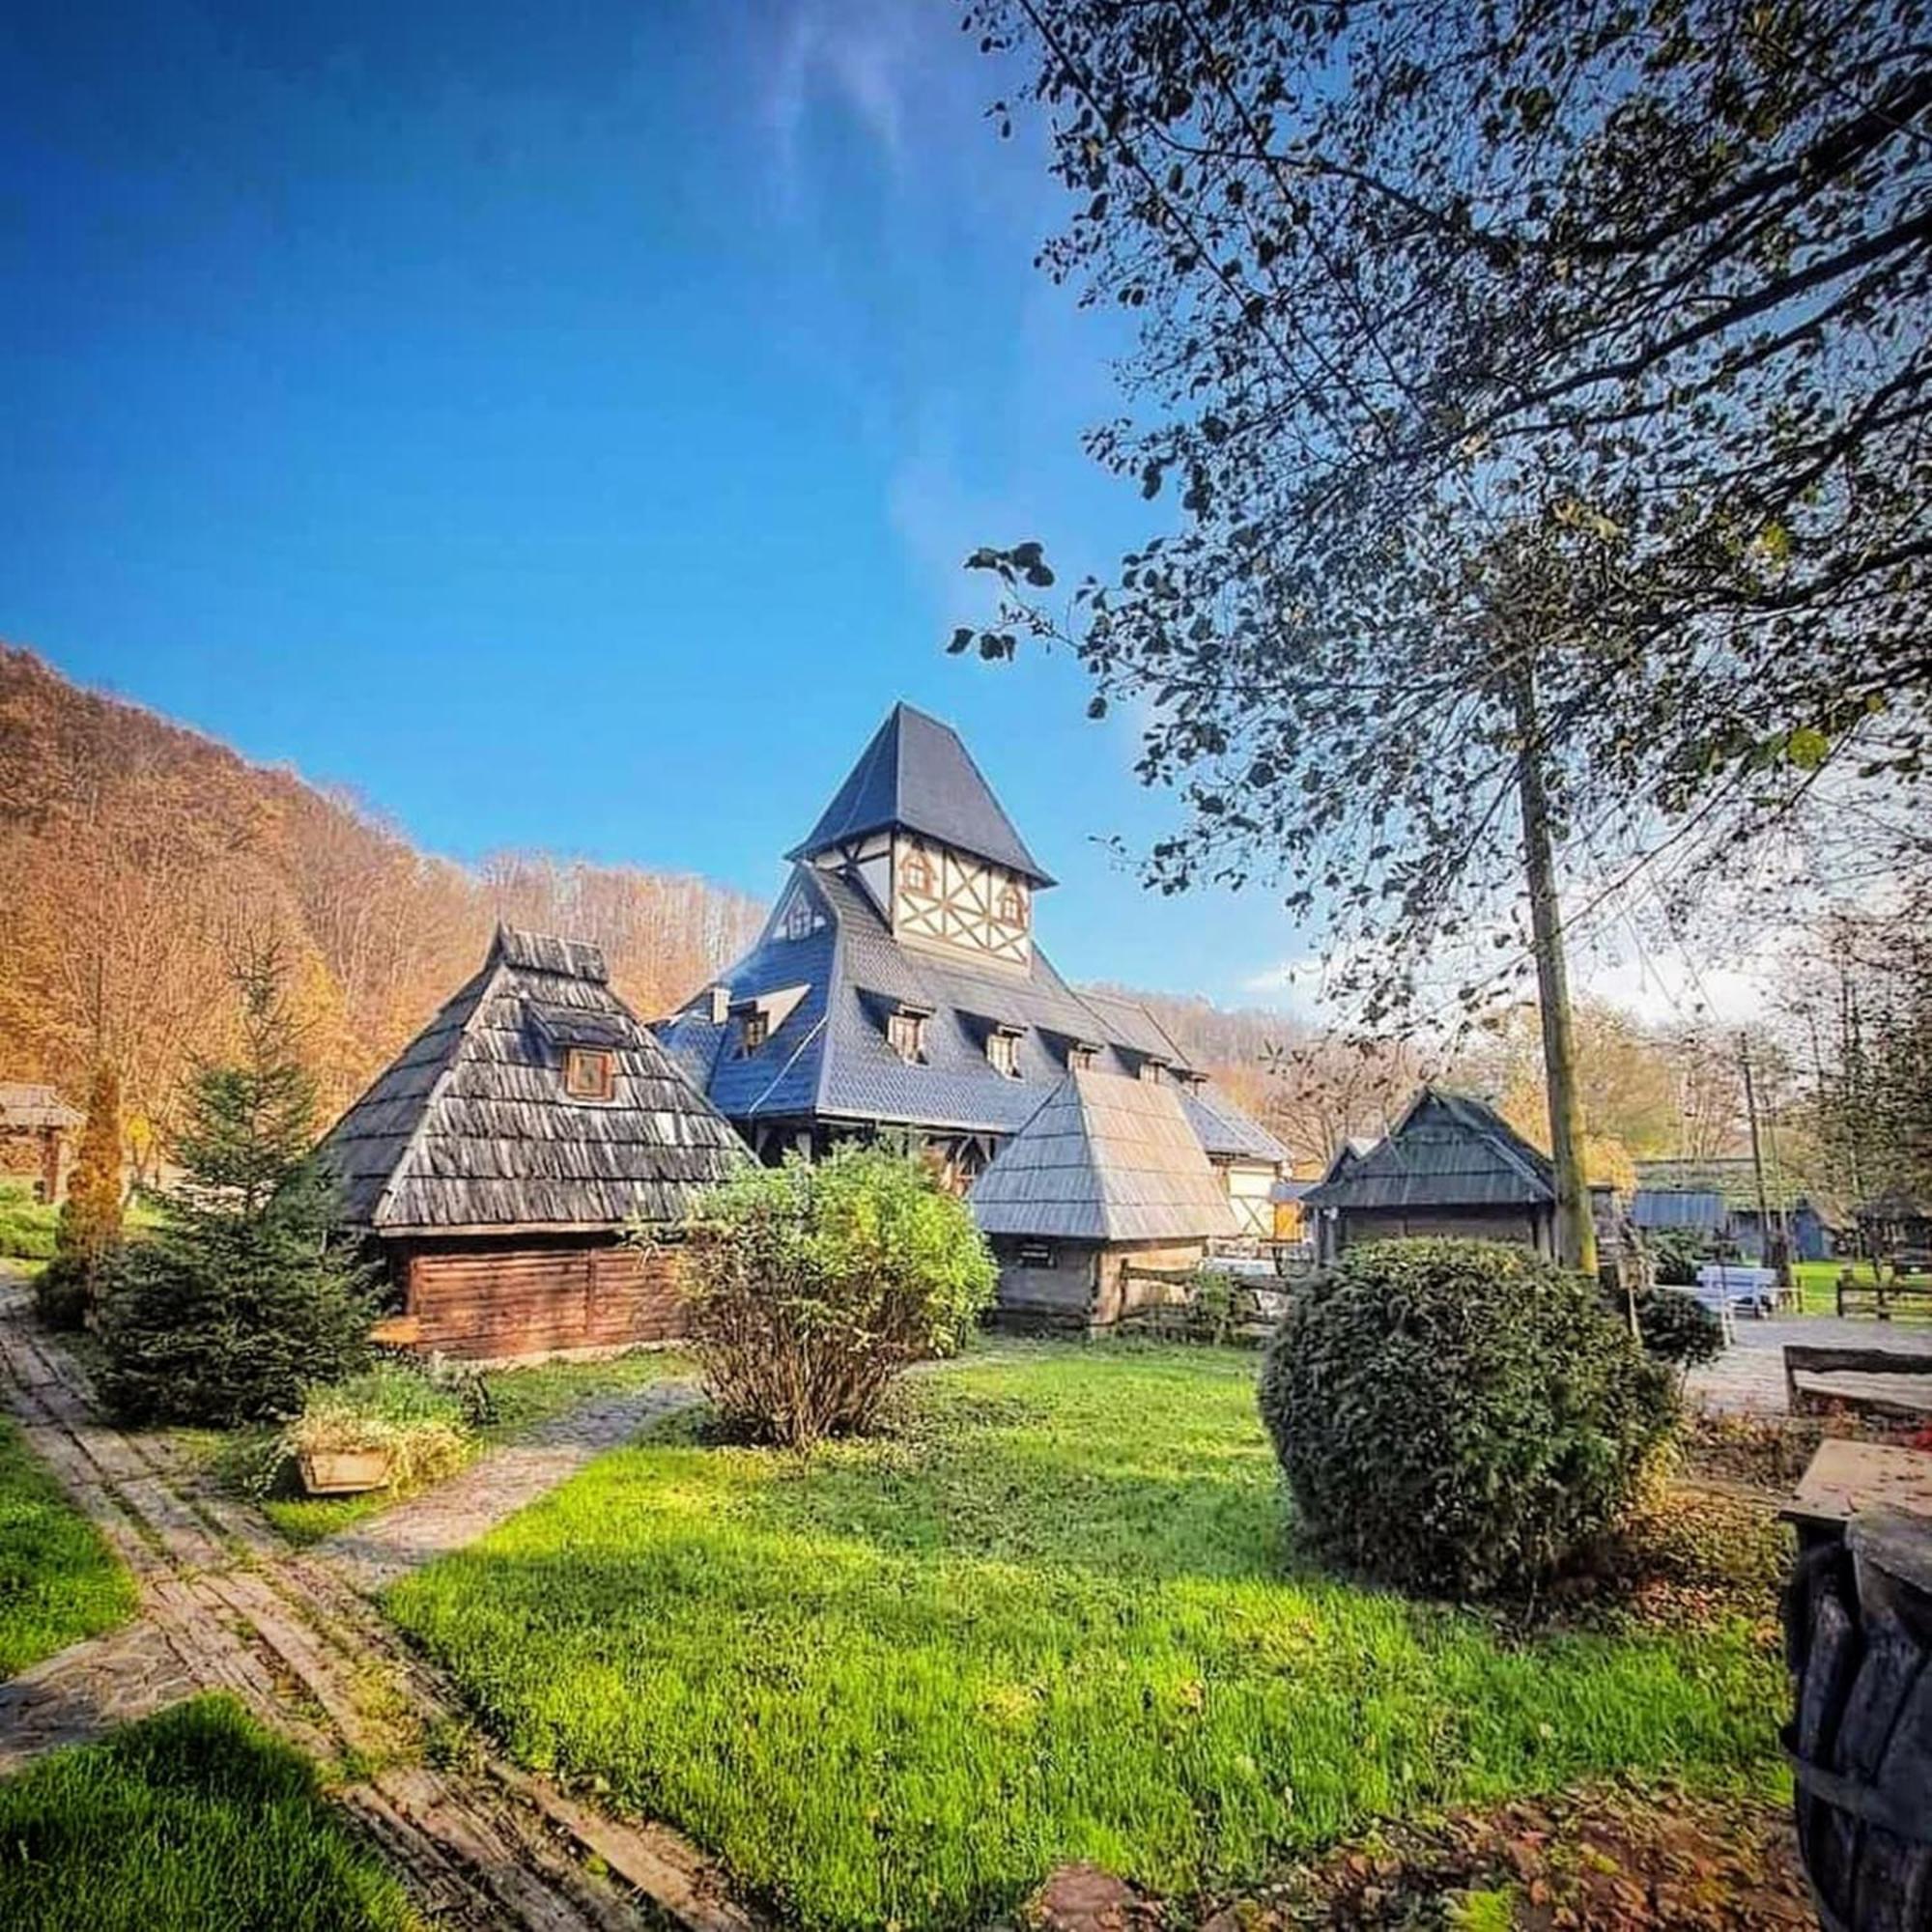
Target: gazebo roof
pixel 1104 1158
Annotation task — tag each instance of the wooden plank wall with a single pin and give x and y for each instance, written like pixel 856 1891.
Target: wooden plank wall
pixel 489 1303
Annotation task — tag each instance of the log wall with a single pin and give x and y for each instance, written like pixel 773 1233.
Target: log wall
pixel 487 1304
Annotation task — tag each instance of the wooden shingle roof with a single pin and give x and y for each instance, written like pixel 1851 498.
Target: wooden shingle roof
pixel 24 1107
pixel 469 1127
pixel 1104 1158
pixel 1447 1150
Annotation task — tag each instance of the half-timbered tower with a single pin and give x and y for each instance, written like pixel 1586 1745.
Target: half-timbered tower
pixel 899 984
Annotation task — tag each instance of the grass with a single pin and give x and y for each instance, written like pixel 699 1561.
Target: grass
pixel 26 1225
pixel 58 1582
pixel 193 1819
pixel 1056 1616
pixel 520 1398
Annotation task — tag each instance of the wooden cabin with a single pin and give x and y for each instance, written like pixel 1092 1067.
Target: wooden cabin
pixel 1106 1177
pixel 37 1135
pixel 1451 1165
pixel 498 1159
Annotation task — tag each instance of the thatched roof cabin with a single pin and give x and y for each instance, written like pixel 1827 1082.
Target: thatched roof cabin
pixel 1106 1175
pixel 499 1159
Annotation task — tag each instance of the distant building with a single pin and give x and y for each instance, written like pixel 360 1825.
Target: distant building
pixel 497 1160
pixel 898 986
pixel 1451 1165
pixel 37 1129
pixel 1716 1199
pixel 1107 1175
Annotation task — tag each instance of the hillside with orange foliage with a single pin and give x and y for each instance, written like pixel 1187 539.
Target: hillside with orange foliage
pixel 137 857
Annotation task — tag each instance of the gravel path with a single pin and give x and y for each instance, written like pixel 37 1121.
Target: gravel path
pixel 1750 1374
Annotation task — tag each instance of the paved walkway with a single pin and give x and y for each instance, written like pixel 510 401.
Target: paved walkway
pixel 1750 1374
pixel 227 1606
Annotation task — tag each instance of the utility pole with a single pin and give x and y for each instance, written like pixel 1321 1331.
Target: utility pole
pixel 1575 1231
pixel 1775 1251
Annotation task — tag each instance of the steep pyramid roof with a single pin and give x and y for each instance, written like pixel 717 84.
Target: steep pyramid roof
pixel 469 1127
pixel 917 775
pixel 1447 1150
pixel 1104 1158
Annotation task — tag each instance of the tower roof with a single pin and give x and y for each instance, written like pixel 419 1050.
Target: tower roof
pixel 1104 1158
pixel 470 1126
pixel 916 775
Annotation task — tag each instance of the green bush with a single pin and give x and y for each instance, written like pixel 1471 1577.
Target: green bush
pixel 1457 1416
pixel 1675 1255
pixel 392 1407
pixel 1678 1328
pixel 810 1287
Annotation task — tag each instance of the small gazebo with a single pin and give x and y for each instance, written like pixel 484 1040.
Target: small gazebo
pixel 36 1130
pixel 1105 1179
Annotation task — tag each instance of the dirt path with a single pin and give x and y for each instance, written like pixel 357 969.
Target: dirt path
pixel 226 1605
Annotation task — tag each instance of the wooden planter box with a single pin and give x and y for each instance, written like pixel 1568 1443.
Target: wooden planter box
pixel 344 1472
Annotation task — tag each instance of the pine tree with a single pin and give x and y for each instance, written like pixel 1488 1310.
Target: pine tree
pixel 244 1295
pixel 89 1229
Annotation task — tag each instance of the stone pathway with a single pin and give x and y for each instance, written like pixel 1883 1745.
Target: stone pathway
pixel 1750 1374
pixel 227 1606
pixel 374 1552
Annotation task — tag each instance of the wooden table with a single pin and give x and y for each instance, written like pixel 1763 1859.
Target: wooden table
pixel 1848 1478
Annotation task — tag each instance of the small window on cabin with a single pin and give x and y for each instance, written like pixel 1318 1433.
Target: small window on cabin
pixel 1150 1071
pixel 799 919
pixel 1002 1049
pixel 916 874
pixel 905 1035
pixel 589 1073
pixel 1011 905
pixel 1039 1254
pixel 754 1028
pixel 1080 1058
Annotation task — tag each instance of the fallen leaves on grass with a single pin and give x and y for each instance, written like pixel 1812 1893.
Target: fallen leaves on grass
pixel 1602 1859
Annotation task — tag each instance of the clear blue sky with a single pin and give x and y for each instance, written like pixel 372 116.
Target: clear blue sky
pixel 562 425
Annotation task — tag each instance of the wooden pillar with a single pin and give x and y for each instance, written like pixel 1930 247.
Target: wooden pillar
pixel 50 1165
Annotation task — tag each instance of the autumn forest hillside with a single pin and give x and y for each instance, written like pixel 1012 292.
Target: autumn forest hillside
pixel 137 857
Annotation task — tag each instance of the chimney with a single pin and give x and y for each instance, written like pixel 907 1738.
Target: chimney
pixel 721 1005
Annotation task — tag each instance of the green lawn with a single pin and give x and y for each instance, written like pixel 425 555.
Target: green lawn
pixel 194 1820
pixel 58 1582
pixel 521 1398
pixel 1058 1616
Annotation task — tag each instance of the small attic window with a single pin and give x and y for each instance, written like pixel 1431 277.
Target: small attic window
pixel 754 1028
pixel 800 921
pixel 1151 1071
pixel 1011 905
pixel 916 874
pixel 1080 1056
pixel 905 1035
pixel 1002 1051
pixel 590 1073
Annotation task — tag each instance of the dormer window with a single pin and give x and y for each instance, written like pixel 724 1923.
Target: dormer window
pixel 1080 1056
pixel 754 1028
pixel 905 1035
pixel 916 872
pixel 1151 1071
pixel 589 1073
pixel 800 921
pixel 1012 904
pixel 1003 1052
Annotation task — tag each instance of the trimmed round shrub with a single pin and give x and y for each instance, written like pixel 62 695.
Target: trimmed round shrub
pixel 1679 1329
pixel 1458 1418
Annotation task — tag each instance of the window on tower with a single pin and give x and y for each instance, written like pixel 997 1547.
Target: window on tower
pixel 916 871
pixel 1010 906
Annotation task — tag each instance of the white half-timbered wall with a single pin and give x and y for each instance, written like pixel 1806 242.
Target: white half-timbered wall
pixel 948 898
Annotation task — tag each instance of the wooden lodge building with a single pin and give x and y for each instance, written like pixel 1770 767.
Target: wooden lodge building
pixel 497 1160
pixel 1451 1165
pixel 898 985
pixel 1106 1177
pixel 36 1136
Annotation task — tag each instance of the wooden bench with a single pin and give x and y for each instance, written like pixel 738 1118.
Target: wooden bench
pixel 1803 1359
pixel 1879 1297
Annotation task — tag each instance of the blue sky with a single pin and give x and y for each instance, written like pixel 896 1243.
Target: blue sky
pixel 563 426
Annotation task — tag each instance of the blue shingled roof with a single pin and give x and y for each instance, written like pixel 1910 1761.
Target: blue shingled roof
pixel 917 775
pixel 830 1058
